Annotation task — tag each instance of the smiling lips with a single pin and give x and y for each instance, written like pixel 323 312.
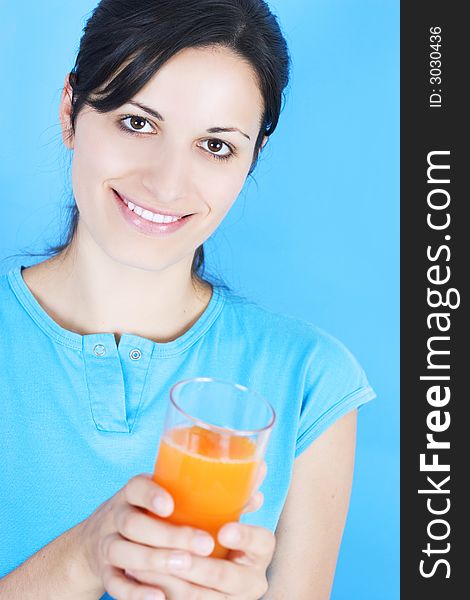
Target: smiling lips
pixel 148 215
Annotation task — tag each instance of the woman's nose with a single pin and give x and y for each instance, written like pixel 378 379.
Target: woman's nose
pixel 167 174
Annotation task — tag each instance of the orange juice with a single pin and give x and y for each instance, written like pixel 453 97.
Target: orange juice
pixel 210 476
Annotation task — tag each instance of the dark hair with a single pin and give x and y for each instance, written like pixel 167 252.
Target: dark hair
pixel 124 44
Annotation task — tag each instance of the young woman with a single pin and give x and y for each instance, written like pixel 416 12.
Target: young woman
pixel 165 113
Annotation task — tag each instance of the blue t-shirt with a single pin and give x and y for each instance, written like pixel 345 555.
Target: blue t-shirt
pixel 81 415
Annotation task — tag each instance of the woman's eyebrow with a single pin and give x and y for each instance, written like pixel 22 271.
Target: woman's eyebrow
pixel 148 110
pixel 227 129
pixel 159 117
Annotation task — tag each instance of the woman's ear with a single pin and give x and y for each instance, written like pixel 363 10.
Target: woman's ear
pixel 263 143
pixel 65 112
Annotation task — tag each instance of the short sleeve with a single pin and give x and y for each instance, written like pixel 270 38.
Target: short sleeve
pixel 335 384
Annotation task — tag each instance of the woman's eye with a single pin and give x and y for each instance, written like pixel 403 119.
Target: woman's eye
pixel 136 124
pixel 215 147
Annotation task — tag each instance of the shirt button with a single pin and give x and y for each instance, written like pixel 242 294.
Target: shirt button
pixel 99 350
pixel 135 354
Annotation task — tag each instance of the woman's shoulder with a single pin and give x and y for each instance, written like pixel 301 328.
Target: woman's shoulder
pixel 297 349
pixel 14 314
pixel 6 293
pixel 297 333
pixel 9 303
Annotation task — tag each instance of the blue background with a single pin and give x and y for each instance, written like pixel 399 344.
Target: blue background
pixel 314 234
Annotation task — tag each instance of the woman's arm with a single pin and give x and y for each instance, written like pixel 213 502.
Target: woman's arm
pixel 59 570
pixel 312 521
pixel 123 535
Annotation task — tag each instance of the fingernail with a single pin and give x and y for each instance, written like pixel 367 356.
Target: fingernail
pixel 154 596
pixel 179 561
pixel 232 534
pixel 130 573
pixel 162 505
pixel 202 543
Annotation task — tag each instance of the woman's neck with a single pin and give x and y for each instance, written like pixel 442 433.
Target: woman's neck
pixel 88 292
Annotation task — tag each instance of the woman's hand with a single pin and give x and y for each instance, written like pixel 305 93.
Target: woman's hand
pixel 121 537
pixel 242 576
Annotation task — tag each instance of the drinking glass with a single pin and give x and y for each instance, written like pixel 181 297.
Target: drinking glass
pixel 214 439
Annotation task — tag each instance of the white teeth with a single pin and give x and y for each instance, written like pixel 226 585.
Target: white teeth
pixel 158 218
pixel 149 215
pixel 146 214
pixel 163 219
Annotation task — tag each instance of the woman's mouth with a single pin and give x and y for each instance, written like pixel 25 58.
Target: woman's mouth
pixel 148 221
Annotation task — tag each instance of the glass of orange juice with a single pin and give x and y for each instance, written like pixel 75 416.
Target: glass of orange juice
pixel 214 439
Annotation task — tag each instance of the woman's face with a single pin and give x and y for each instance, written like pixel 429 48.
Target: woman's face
pixel 175 164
